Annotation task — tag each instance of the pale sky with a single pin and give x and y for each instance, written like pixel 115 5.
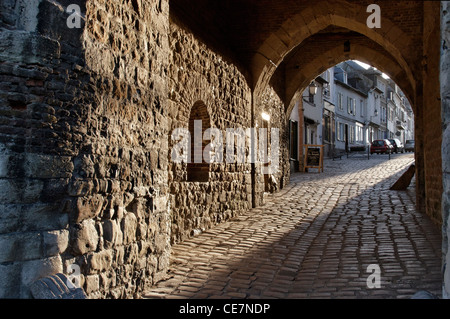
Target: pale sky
pixel 366 66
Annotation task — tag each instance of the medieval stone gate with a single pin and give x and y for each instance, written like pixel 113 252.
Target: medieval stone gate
pixel 89 101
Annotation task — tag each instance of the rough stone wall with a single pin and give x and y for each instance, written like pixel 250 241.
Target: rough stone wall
pixel 125 149
pixel 84 145
pixel 198 74
pixel 271 103
pixel 36 155
pixel 445 100
pixel 431 114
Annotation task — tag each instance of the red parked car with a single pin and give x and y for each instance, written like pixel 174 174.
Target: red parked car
pixel 381 147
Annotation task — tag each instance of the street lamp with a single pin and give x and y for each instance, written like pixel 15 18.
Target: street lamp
pixel 313 88
pixel 265 116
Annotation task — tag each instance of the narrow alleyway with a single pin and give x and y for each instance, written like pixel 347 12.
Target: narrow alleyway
pixel 316 239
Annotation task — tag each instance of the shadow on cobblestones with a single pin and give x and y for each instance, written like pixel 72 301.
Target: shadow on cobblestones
pixel 316 239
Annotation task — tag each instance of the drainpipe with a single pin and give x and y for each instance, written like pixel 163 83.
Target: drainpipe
pixel 301 128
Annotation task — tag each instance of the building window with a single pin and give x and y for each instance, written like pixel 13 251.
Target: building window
pixel 351 106
pixel 341 132
pixel 327 91
pixel 338 133
pixel 383 114
pixel 307 134
pixel 362 108
pixel 352 134
pixel 340 101
pixel 326 75
pixel 359 134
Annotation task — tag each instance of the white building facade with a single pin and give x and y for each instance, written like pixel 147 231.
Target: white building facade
pixel 352 107
pixel 351 112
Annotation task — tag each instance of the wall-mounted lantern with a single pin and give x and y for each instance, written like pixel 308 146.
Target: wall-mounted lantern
pixel 313 88
pixel 265 116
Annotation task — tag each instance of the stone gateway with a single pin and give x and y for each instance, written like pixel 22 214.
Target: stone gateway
pixel 91 91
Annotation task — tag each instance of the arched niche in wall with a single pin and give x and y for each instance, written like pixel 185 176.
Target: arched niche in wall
pixel 199 121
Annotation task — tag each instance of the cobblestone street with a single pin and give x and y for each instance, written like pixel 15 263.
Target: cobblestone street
pixel 316 239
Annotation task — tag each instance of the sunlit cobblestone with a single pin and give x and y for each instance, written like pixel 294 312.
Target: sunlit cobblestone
pixel 315 239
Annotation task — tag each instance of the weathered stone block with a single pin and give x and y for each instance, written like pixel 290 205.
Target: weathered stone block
pixel 107 281
pixel 47 166
pixel 20 190
pixel 141 191
pixel 162 243
pixel 43 217
pixel 112 233
pixel 405 180
pixel 164 261
pixel 119 255
pixel 131 254
pixel 54 189
pixel 87 208
pixel 20 247
pixel 85 237
pixel 92 284
pixel 10 288
pixel 129 227
pixel 160 204
pixel 28 48
pixel 55 242
pixel 84 166
pixel 99 262
pixel 10 218
pixel 142 229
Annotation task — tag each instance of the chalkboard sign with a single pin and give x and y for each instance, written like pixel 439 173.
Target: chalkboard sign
pixel 314 157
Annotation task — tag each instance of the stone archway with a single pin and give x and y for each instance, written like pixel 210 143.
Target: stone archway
pixel 410 56
pixel 298 81
pixel 310 20
pixel 261 35
pixel 307 31
pixel 87 115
